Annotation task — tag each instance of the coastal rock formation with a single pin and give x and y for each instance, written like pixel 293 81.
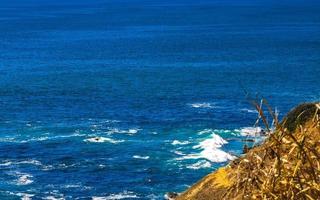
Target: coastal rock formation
pixel 285 166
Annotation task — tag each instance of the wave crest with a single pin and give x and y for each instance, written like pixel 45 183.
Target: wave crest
pixel 102 139
pixel 201 105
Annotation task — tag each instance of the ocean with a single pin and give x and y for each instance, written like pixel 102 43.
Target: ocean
pixel 130 99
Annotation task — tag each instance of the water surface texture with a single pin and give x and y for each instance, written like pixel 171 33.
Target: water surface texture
pixel 133 98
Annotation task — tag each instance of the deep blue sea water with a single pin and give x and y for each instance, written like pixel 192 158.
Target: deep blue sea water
pixel 130 99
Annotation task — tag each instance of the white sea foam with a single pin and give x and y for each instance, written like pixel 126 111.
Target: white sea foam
pixel 210 150
pixel 248 110
pixel 7 163
pixel 205 131
pixel 24 179
pixel 129 131
pixel 219 131
pixel 201 105
pixel 72 186
pixel 189 156
pixel 36 139
pixel 122 195
pixel 141 157
pixel 199 165
pixel 216 155
pixel 27 197
pixel 215 141
pixel 24 196
pixel 179 153
pixel 250 131
pixel 246 131
pixel 102 139
pixel 54 198
pixel 43 137
pixel 30 162
pixel 177 142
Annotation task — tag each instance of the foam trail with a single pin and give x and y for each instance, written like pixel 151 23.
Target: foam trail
pixel 122 195
pixel 210 150
pixel 249 110
pixel 24 179
pixel 250 131
pixel 102 139
pixel 131 131
pixel 199 165
pixel 201 105
pixel 216 155
pixel 141 157
pixel 177 142
pixel 214 142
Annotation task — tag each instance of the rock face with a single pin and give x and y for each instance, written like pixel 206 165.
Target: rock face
pixel 285 166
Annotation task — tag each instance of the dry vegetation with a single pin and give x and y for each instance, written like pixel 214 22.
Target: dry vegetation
pixel 285 166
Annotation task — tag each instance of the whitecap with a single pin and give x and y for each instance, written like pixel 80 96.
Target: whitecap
pixel 201 105
pixel 214 142
pixel 216 155
pixel 54 198
pixel 177 142
pixel 26 162
pixel 6 163
pixel 68 186
pixel 44 137
pixel 102 139
pixel 217 131
pixel 250 131
pixel 179 153
pixel 98 198
pixel 189 156
pixel 129 131
pixel 210 150
pixel 24 196
pixel 249 110
pixel 30 162
pixel 205 131
pixel 27 197
pixel 141 157
pixel 199 165
pixel 122 195
pixel 24 179
pixel 38 139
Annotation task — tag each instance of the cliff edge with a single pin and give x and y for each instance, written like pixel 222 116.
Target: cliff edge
pixel 285 166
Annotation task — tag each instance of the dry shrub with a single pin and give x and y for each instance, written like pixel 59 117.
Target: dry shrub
pixel 287 164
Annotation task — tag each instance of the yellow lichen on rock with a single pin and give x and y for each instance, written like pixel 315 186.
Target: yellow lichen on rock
pixel 216 181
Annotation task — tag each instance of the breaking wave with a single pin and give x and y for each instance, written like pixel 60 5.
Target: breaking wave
pixel 131 131
pixel 141 157
pixel 122 195
pixel 201 105
pixel 199 165
pixel 177 142
pixel 210 150
pixel 102 139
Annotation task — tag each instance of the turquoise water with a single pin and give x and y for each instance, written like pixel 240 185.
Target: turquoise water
pixel 131 99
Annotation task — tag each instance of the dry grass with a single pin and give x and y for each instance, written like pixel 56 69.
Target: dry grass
pixel 285 166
